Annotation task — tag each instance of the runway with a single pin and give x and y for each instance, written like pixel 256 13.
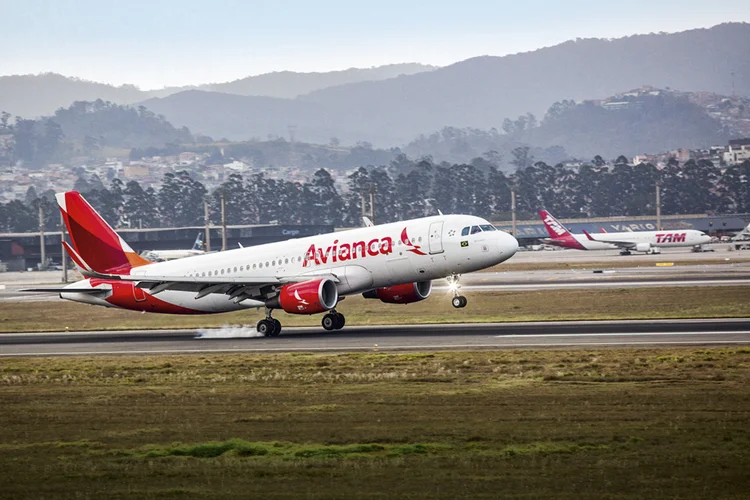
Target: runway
pixel 632 277
pixel 585 334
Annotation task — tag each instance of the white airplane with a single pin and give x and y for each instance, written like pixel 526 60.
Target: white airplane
pixel 627 242
pixel 394 263
pixel 164 255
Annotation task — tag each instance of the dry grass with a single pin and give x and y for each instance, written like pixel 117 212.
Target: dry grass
pixel 520 424
pixel 626 303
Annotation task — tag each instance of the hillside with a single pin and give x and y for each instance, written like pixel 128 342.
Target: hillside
pixel 640 121
pixel 38 95
pixel 288 84
pixel 483 91
pixel 31 96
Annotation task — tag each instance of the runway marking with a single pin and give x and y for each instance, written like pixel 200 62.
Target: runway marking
pixel 639 334
pixel 361 348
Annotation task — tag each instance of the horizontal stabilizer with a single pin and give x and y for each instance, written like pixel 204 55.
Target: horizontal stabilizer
pixel 88 291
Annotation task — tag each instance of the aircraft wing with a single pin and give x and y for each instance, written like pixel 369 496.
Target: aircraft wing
pixel 621 243
pixel 237 288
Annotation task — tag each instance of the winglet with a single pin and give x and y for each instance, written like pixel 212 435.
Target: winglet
pixel 588 235
pixel 602 230
pixel 367 221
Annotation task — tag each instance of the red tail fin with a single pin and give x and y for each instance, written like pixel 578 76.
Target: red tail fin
pixel 555 229
pixel 96 246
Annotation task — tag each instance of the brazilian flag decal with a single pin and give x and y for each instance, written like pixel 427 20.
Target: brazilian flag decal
pixel 464 243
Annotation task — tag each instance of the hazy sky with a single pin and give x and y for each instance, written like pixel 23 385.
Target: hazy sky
pixel 157 43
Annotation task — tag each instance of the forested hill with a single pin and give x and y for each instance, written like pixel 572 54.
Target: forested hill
pixel 85 128
pixel 120 126
pixel 648 124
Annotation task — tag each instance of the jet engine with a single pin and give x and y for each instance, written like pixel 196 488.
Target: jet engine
pixel 401 294
pixel 306 297
pixel 643 247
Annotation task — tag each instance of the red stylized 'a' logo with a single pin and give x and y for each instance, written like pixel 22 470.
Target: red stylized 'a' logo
pixel 415 249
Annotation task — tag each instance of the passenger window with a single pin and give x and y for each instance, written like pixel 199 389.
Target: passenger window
pixel 286 261
pixel 465 231
pixel 235 269
pixel 222 271
pixel 253 266
pixel 475 229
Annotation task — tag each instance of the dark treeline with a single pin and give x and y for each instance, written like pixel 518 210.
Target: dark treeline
pixel 408 189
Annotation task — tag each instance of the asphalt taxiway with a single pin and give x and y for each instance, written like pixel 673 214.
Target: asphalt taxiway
pixel 584 334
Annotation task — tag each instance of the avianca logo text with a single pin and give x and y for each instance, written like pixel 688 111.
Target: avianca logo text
pixel 670 238
pixel 348 251
pixel 554 225
pixel 342 252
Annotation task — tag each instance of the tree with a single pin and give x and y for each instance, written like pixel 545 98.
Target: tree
pixel 140 207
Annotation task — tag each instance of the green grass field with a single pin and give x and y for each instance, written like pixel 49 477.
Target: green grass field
pixel 577 424
pixel 625 303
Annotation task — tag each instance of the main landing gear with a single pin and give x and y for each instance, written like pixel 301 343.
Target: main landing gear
pixel 458 301
pixel 269 327
pixel 333 321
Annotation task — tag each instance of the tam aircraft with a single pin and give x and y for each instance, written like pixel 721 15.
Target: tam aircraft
pixel 163 255
pixel 394 263
pixel 627 242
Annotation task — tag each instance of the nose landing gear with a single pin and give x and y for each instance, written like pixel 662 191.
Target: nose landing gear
pixel 269 327
pixel 458 300
pixel 333 321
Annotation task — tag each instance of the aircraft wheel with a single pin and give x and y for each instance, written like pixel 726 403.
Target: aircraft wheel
pixel 340 321
pixel 459 301
pixel 265 328
pixel 464 301
pixel 329 322
pixel 276 327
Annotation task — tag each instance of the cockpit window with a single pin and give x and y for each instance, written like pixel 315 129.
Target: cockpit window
pixel 465 231
pixel 488 227
pixel 475 229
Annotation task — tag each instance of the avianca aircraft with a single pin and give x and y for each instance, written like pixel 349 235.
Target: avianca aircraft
pixel 638 241
pixel 394 263
pixel 162 255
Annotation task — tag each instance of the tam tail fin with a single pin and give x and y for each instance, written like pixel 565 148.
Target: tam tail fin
pixel 96 246
pixel 555 229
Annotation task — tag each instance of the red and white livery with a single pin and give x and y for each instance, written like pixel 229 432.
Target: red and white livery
pixel 394 263
pixel 627 242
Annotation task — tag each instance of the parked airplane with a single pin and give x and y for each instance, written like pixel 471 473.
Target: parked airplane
pixel 164 255
pixel 627 242
pixel 394 262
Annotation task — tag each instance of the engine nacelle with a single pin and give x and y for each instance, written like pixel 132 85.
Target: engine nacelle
pixel 643 247
pixel 401 294
pixel 306 297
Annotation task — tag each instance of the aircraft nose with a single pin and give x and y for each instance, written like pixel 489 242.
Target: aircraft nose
pixel 507 245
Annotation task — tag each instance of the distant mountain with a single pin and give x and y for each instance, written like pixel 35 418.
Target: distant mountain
pixel 288 84
pixel 37 95
pixel 483 91
pixel 31 96
pixel 243 117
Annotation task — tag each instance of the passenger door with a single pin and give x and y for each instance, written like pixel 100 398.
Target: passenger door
pixel 436 237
